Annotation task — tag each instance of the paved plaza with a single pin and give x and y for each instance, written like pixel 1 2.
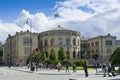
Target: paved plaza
pixel 23 73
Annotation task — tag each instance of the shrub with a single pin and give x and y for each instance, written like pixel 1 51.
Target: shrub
pixel 79 62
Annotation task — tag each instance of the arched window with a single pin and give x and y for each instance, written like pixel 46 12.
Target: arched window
pixel 68 54
pixel 74 54
pixel 46 53
pixel 46 42
pixel 52 42
pixel 41 44
pixel 78 42
pixel 74 41
pixel 67 41
pixel 60 41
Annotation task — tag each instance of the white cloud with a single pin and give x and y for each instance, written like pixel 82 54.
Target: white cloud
pixel 7 28
pixel 90 17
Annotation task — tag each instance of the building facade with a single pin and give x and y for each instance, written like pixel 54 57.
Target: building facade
pixel 104 46
pixel 60 37
pixel 18 47
pixel 117 43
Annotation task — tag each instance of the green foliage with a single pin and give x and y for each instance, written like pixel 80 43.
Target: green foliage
pixel 31 57
pixel 36 56
pixel 67 62
pixel 52 56
pixel 115 57
pixel 68 55
pixel 47 61
pixel 42 56
pixel 79 62
pixel 61 55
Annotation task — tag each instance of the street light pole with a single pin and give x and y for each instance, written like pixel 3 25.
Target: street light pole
pixel 9 54
pixel 30 41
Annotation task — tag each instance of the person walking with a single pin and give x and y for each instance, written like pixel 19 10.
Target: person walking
pixel 104 69
pixel 85 67
pixel 110 72
pixel 74 68
pixel 58 67
pixel 67 67
pixel 109 69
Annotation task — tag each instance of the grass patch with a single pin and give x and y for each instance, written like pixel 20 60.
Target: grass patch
pixel 77 68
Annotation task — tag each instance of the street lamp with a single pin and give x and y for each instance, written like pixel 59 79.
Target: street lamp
pixel 9 54
pixel 95 57
pixel 30 41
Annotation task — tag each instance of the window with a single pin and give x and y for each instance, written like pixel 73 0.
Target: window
pixel 27 40
pixel 52 42
pixel 27 50
pixel 74 41
pixel 41 44
pixel 96 43
pixel 74 54
pixel 88 45
pixel 78 42
pixel 97 50
pixel 46 42
pixel 83 45
pixel 109 50
pixel 46 53
pixel 67 41
pixel 60 42
pixel 108 42
pixel 92 44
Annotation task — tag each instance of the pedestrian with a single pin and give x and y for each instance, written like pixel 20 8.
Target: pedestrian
pixel 74 68
pixel 104 69
pixel 36 67
pixel 85 67
pixel 58 67
pixel 110 72
pixel 67 67
pixel 109 69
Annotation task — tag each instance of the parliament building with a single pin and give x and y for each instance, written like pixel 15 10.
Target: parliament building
pixel 17 47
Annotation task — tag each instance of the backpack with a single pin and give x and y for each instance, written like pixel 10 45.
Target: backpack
pixel 104 66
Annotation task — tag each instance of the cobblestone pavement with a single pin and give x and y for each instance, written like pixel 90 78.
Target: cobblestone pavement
pixel 22 73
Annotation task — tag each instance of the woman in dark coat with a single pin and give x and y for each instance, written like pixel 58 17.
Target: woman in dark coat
pixel 85 67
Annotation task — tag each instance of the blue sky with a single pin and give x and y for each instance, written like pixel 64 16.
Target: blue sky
pixel 89 17
pixel 10 9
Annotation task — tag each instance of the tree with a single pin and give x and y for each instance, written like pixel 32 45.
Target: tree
pixel 61 55
pixel 52 57
pixel 115 57
pixel 42 56
pixel 31 57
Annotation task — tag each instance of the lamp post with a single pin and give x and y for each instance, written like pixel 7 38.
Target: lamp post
pixel 9 54
pixel 95 57
pixel 30 42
